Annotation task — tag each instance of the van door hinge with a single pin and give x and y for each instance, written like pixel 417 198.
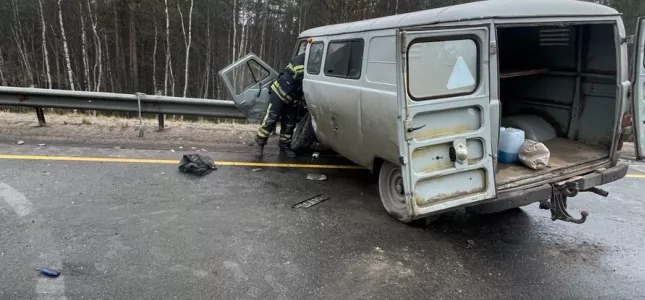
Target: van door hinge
pixel 493 48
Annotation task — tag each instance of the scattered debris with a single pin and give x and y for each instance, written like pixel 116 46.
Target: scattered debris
pixel 315 155
pixel 204 150
pixel 197 164
pixel 20 142
pixel 41 145
pixel 311 201
pixel 379 250
pixel 172 150
pixel 48 272
pixel 194 148
pixel 117 147
pixel 317 177
pixel 471 244
pixel 257 170
pixel 181 147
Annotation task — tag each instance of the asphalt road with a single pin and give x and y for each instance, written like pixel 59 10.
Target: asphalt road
pixel 141 230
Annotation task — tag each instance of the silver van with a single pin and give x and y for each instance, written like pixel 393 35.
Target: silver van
pixel 419 99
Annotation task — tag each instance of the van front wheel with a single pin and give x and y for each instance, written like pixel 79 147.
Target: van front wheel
pixel 392 193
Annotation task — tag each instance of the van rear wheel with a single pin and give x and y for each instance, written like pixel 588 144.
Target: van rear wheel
pixel 392 193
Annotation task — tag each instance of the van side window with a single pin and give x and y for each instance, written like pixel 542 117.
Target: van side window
pixel 442 68
pixel 344 59
pixel 315 58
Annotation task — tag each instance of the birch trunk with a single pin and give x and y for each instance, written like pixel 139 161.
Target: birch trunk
pixel 45 52
pixel 86 69
pixel 168 67
pixel 70 73
pixel 187 41
pixel 97 45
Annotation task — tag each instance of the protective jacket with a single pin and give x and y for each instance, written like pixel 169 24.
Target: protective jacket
pixel 288 86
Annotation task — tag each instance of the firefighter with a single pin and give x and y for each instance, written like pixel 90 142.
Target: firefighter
pixel 285 94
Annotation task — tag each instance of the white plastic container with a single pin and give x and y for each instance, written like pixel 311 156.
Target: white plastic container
pixel 510 143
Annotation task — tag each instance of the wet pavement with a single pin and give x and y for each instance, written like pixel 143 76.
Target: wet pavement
pixel 145 231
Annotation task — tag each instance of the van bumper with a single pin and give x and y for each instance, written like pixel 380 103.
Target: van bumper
pixel 518 198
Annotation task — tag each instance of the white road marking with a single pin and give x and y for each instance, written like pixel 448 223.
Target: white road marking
pixel 46 288
pixel 16 200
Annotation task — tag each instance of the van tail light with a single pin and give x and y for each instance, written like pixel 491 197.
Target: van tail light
pixel 627 120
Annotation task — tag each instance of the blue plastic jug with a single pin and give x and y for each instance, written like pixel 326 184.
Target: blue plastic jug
pixel 510 143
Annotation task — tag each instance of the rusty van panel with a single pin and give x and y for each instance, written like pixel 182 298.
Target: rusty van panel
pixel 447 122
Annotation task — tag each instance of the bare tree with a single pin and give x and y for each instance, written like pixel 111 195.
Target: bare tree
pixel 134 62
pixel 70 73
pixel 168 69
pixel 265 18
pixel 154 61
pixel 235 14
pixel 44 45
pixel 97 47
pixel 86 69
pixel 3 80
pixel 19 39
pixel 187 41
pixel 209 53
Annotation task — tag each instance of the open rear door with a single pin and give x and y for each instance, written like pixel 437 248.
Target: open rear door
pixel 638 86
pixel 248 81
pixel 444 123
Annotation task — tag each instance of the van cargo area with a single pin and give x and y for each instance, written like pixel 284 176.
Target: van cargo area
pixel 567 76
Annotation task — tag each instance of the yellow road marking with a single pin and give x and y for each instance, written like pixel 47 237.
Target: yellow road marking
pixel 635 176
pixel 171 161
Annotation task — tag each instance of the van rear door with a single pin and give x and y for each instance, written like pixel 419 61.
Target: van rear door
pixel 638 86
pixel 444 124
pixel 247 81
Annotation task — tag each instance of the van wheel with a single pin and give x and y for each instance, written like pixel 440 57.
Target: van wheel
pixel 303 136
pixel 391 191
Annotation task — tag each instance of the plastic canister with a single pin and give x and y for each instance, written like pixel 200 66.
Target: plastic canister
pixel 510 143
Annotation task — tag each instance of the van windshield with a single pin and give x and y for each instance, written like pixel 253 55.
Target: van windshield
pixel 301 47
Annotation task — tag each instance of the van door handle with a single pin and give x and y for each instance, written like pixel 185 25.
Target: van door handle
pixel 413 129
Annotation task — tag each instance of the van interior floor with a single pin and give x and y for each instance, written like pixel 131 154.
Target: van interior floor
pixel 564 154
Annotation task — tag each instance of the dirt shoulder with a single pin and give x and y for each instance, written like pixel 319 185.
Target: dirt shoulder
pixel 79 129
pixel 111 131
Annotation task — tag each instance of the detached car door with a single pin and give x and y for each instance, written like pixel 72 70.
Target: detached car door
pixel 444 120
pixel 247 81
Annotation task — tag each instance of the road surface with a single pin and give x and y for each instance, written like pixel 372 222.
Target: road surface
pixel 132 227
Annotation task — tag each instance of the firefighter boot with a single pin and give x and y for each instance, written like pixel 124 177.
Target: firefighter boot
pixel 259 150
pixel 286 151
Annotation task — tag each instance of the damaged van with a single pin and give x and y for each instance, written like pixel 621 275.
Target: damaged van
pixel 421 98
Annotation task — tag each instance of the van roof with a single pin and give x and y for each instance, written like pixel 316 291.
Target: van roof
pixel 491 9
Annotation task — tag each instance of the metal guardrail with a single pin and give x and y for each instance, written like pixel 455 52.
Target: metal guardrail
pixel 141 103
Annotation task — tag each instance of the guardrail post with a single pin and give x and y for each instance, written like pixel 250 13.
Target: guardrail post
pixel 139 95
pixel 40 114
pixel 161 118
